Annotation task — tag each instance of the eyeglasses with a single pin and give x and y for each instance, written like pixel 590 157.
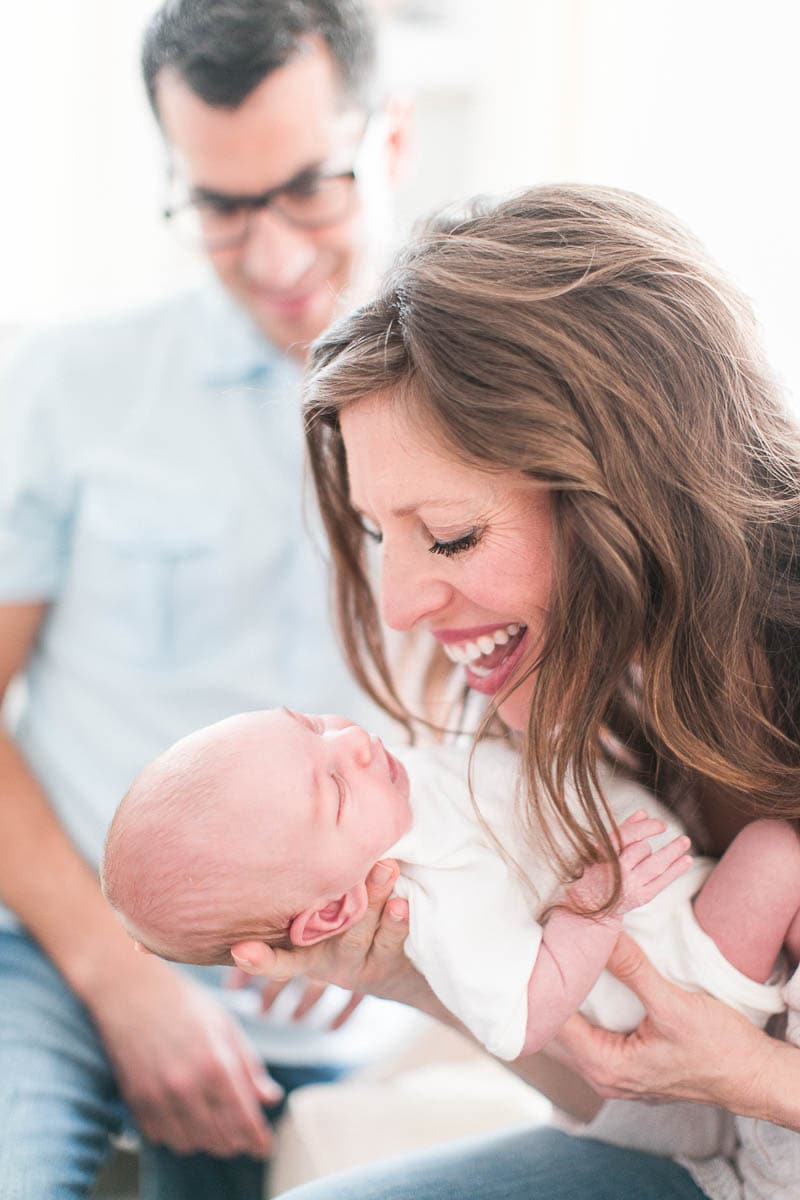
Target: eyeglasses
pixel 218 221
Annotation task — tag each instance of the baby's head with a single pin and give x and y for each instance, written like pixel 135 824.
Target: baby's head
pixel 261 827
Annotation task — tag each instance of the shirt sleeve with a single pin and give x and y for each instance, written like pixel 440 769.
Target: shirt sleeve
pixel 472 936
pixel 34 517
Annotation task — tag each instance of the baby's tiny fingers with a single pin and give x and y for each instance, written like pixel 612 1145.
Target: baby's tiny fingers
pixel 634 854
pixel 661 860
pixel 659 882
pixel 657 865
pixel 637 831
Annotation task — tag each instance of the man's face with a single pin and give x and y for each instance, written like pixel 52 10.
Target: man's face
pixel 290 280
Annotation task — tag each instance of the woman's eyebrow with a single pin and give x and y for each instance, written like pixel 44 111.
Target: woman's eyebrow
pixel 408 510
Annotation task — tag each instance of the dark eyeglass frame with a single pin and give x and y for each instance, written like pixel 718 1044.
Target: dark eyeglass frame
pixel 249 205
pixel 253 204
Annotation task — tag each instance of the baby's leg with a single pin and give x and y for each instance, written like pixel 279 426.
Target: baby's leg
pixel 750 903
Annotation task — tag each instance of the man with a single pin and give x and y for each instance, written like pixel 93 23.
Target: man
pixel 156 575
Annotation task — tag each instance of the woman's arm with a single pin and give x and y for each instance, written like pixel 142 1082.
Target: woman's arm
pixel 689 1046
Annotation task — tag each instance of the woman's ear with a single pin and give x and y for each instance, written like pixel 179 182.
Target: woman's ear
pixel 334 916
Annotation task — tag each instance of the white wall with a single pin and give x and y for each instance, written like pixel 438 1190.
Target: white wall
pixel 83 164
pixel 695 103
pixel 692 102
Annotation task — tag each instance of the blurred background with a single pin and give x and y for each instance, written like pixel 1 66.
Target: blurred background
pixel 694 103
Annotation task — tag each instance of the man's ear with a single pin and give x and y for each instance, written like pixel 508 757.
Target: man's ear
pixel 400 120
pixel 333 916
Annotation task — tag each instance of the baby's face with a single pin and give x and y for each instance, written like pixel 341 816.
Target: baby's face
pixel 330 800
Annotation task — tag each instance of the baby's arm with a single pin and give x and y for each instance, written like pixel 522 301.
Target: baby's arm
pixel 575 948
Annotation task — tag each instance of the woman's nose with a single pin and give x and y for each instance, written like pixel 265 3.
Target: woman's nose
pixel 411 594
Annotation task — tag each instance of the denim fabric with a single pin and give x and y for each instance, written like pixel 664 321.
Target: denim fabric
pixel 523 1164
pixel 59 1104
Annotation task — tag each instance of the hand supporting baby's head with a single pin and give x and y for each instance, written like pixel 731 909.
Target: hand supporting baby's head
pixel 262 827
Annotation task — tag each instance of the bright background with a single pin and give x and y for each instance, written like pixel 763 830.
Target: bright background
pixel 692 102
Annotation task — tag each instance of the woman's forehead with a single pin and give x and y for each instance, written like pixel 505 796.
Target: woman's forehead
pixel 398 454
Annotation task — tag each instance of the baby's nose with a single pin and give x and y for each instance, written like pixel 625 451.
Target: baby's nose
pixel 358 743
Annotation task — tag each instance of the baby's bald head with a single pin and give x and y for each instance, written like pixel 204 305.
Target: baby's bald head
pixel 187 855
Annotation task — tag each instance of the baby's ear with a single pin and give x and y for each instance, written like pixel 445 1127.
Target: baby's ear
pixel 334 916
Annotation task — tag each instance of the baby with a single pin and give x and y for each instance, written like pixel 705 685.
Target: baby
pixel 266 825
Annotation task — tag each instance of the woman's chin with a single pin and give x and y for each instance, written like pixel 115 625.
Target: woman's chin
pixel 515 710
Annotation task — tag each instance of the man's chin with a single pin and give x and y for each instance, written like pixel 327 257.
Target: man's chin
pixel 292 325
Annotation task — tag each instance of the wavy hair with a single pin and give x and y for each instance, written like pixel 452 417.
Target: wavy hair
pixel 581 336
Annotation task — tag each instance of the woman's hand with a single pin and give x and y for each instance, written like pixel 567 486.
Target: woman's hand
pixel 367 957
pixel 688 1046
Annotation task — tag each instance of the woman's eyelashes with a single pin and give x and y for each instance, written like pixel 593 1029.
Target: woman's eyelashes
pixel 449 547
pixel 456 545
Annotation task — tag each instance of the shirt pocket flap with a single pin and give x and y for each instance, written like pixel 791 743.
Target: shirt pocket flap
pixel 151 518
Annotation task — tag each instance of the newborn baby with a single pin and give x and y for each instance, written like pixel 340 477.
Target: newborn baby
pixel 266 825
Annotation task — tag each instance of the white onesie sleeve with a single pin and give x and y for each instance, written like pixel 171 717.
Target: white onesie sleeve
pixel 472 936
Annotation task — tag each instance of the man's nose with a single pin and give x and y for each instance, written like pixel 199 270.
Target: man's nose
pixel 410 595
pixel 277 254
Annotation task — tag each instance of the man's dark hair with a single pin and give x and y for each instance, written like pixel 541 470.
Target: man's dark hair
pixel 223 49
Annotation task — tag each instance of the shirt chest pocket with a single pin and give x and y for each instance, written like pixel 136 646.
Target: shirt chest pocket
pixel 150 571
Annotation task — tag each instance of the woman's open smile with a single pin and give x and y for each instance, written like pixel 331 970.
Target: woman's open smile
pixel 465 551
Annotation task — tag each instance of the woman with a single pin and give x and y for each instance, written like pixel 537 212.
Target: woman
pixel 557 420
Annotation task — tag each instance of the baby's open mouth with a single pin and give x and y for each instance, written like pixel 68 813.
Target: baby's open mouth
pixel 486 653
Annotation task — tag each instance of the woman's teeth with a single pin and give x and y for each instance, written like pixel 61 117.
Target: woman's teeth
pixel 469 654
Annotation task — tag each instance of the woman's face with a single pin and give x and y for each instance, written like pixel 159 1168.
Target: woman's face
pixel 465 554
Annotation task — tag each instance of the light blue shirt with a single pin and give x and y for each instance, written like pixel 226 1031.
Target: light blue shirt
pixel 151 490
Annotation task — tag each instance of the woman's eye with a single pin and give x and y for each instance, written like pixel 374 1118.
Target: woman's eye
pixel 370 529
pixel 457 545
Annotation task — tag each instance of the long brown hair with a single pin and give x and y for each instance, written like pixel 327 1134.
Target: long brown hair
pixel 582 337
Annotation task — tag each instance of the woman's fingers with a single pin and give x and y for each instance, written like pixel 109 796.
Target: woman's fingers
pixel 352 1004
pixel 381 881
pixel 341 960
pixel 632 967
pixel 312 992
pixel 595 1052
pixel 256 958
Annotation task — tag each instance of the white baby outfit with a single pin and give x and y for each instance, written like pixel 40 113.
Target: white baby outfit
pixel 474 931
pixel 474 935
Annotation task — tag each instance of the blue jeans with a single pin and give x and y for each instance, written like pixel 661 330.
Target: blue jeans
pixel 59 1102
pixel 523 1164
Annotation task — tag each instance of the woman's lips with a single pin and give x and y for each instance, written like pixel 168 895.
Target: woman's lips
pixel 500 670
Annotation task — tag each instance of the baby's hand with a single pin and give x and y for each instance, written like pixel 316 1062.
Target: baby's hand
pixel 645 872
